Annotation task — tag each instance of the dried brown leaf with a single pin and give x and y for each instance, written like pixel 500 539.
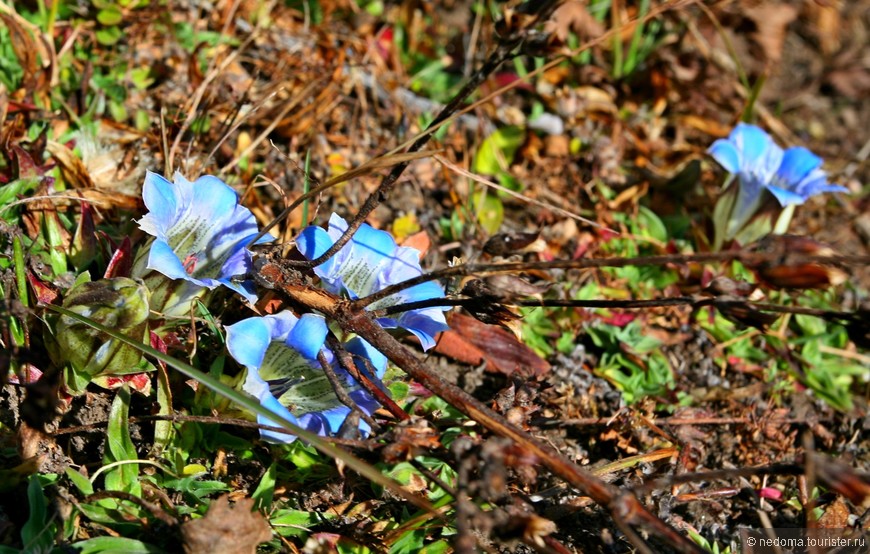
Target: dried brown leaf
pixel 771 22
pixel 470 341
pixel 226 529
pixel 573 16
pixel 73 169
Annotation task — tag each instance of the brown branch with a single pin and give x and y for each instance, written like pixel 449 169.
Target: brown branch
pixel 341 393
pixel 346 361
pixel 624 506
pixel 596 263
pixel 695 302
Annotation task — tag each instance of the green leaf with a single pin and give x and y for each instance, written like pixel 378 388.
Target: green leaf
pixel 142 78
pixel 266 489
pixel 722 214
pixel 497 151
pixel 163 430
pixel 489 210
pixel 303 456
pixel 399 390
pixel 439 547
pixel 650 225
pixel 108 36
pixel 110 15
pixel 80 481
pixel 293 523
pixel 54 237
pixel 120 447
pixel 36 534
pixel 411 542
pixel 115 545
pixel 195 489
pixel 9 193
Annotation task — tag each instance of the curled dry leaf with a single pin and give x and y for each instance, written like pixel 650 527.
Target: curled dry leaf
pixel 472 342
pixel 573 16
pixel 226 529
pixel 73 169
pixel 777 267
pixel 771 22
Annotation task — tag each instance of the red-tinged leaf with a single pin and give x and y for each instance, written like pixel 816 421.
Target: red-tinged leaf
pixel 158 344
pixel 455 346
pixel 776 265
pixel 606 234
pixel 45 293
pixel 106 244
pixel 122 261
pixel 770 493
pixel 25 167
pixel 508 77
pixel 472 342
pixel 419 241
pixel 28 373
pixel 15 107
pixel 805 276
pixel 270 304
pixel 140 382
pixel 620 319
pixel 384 43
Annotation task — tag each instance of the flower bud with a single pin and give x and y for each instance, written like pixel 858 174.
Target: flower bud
pixel 120 304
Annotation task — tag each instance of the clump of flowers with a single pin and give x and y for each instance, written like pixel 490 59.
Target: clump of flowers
pixel 759 164
pixel 283 373
pixel 200 239
pixel 370 262
pixel 200 235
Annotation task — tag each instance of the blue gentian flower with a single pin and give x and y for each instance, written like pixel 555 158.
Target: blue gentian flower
pixel 283 373
pixel 799 177
pixel 370 262
pixel 200 233
pixel 792 176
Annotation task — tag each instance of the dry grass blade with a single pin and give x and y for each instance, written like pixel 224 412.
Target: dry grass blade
pixel 522 197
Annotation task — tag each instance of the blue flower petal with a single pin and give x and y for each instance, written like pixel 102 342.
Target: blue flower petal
pixel 326 422
pixel 378 246
pixel 271 403
pixel 245 289
pixel 797 163
pixel 163 259
pixel 725 152
pixel 361 348
pixel 278 351
pixel 752 143
pixel 424 324
pixel 203 226
pixel 308 335
pixel 159 198
pixel 786 197
pixel 369 262
pixel 248 339
pixel 312 242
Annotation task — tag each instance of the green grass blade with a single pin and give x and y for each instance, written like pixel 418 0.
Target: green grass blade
pixel 252 405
